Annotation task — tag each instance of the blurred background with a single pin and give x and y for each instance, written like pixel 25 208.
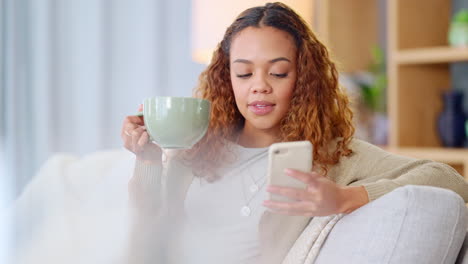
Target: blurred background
pixel 70 71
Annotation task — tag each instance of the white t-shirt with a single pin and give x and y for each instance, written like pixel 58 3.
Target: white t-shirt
pixel 216 229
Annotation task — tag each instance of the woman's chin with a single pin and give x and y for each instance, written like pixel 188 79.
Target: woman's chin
pixel 264 125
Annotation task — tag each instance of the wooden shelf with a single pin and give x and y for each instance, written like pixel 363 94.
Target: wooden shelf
pixel 432 55
pixel 446 155
pixel 457 158
pixel 337 23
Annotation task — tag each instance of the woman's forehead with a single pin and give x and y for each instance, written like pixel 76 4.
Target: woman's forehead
pixel 262 43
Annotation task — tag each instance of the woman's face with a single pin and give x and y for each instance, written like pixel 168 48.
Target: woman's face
pixel 263 75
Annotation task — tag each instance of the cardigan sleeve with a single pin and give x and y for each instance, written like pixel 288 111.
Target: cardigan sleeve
pixel 381 172
pixel 145 244
pixel 144 188
pixel 155 194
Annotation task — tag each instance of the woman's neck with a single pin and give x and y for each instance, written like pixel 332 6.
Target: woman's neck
pixel 254 138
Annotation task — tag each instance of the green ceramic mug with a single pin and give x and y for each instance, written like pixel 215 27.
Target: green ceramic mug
pixel 175 122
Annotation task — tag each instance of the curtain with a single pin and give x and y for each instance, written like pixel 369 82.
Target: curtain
pixel 72 70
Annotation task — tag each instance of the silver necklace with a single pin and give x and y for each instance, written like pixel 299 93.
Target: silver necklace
pixel 254 187
pixel 246 210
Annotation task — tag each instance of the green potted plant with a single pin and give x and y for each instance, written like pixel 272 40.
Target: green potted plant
pixel 458 32
pixel 373 86
pixel 374 92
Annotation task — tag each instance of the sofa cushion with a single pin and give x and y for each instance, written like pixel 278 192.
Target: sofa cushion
pixel 463 255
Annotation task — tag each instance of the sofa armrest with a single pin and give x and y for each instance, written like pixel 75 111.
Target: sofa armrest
pixel 463 255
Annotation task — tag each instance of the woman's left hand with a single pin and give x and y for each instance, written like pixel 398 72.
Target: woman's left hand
pixel 321 197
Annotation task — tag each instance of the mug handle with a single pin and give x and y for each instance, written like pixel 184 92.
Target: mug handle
pixel 140 110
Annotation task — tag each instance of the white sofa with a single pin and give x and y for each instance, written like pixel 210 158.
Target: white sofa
pixel 75 211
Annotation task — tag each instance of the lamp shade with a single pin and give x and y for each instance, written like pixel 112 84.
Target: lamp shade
pixel 210 18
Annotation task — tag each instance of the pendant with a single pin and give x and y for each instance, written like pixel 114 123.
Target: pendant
pixel 253 188
pixel 245 211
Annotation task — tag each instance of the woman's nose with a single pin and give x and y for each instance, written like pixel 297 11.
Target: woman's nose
pixel 261 85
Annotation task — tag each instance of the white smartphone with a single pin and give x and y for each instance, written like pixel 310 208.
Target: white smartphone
pixel 295 155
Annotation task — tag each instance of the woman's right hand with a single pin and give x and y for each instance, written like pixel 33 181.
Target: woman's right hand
pixel 136 139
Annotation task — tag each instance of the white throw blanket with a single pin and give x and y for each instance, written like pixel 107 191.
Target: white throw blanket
pixel 73 211
pixel 306 248
pixel 69 214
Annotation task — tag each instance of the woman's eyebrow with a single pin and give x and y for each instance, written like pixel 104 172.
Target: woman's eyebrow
pixel 279 59
pixel 242 61
pixel 271 61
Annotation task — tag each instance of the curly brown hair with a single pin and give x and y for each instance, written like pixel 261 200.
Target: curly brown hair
pixel 319 109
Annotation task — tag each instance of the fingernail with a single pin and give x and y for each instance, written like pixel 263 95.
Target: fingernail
pixel 288 171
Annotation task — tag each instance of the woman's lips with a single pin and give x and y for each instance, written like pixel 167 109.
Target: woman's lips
pixel 261 107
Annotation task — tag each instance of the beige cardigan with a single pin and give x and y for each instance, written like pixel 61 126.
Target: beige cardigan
pixel 378 171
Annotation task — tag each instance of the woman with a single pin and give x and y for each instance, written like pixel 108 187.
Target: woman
pixel 270 80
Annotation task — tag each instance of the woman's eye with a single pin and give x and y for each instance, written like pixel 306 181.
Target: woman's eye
pixel 280 75
pixel 244 75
